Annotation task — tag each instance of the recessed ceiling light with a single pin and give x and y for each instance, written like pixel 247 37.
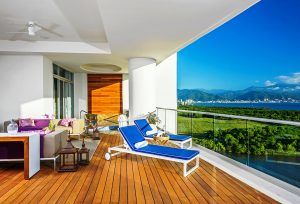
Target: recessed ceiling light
pixel 100 68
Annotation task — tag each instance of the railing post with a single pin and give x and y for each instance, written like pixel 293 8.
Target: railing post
pixel 165 120
pixel 214 127
pixel 192 124
pixel 248 149
pixel 176 121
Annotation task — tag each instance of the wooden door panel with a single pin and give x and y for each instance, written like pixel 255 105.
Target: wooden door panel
pixel 105 93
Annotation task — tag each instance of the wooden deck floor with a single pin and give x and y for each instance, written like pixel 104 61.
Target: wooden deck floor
pixel 125 179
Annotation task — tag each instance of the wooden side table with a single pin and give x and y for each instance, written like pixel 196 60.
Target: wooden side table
pixel 161 140
pixel 31 143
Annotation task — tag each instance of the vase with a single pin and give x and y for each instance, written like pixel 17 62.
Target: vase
pixel 12 128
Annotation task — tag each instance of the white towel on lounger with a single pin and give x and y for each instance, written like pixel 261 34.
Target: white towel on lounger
pixel 141 144
pixel 153 131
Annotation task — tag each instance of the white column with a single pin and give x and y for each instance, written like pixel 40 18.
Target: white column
pixel 80 93
pixel 142 87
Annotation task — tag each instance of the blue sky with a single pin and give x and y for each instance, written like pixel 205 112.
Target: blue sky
pixel 257 48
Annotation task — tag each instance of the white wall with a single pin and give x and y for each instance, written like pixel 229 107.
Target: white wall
pixel 125 92
pixel 80 93
pixel 142 87
pixel 166 91
pixel 25 81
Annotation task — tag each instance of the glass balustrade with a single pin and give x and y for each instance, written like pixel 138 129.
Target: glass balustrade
pixel 268 146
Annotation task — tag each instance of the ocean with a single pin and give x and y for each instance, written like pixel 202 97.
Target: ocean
pixel 274 106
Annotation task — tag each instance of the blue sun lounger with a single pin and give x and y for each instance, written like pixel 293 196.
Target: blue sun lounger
pixel 179 140
pixel 132 136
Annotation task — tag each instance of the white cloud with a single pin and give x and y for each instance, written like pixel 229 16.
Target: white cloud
pixel 294 79
pixel 269 83
pixel 276 88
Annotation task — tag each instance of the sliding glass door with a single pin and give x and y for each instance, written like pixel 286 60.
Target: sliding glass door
pixel 63 93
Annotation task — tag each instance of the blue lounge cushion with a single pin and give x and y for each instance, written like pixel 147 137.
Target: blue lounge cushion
pixel 132 135
pixel 179 137
pixel 176 153
pixel 144 126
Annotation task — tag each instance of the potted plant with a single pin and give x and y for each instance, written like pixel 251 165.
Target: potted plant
pixel 153 118
pixel 161 137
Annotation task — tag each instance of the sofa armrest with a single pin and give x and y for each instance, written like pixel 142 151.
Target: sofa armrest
pixel 54 141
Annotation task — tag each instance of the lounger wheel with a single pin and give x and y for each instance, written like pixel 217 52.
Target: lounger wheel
pixel 108 156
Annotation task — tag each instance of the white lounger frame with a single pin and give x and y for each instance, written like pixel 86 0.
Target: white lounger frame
pixel 125 149
pixel 181 144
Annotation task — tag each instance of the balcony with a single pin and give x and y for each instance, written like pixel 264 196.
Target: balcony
pixel 126 179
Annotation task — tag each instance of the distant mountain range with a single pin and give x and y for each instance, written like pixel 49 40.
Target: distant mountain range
pixel 276 92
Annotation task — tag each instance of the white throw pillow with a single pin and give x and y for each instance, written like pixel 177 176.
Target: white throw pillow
pixel 141 144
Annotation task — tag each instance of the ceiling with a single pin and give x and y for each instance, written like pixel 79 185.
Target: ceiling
pixel 110 31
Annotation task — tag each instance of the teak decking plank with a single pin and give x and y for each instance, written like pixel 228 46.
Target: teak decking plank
pixel 99 176
pixel 40 194
pixel 197 185
pixel 55 197
pixel 150 191
pixel 220 189
pixel 104 191
pixel 17 176
pixel 11 187
pixel 244 191
pixel 31 190
pixel 53 188
pixel 216 188
pixel 152 173
pixel 38 189
pixel 227 184
pixel 130 181
pixel 88 193
pixel 78 186
pixel 68 189
pixel 169 182
pixel 126 179
pixel 182 184
pixel 190 184
pixel 103 180
pixel 141 197
pixel 114 198
pixel 123 181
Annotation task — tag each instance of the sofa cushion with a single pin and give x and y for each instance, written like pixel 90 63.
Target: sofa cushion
pixel 29 128
pixel 41 123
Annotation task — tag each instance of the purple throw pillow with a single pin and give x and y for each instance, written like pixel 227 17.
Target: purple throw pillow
pixel 26 122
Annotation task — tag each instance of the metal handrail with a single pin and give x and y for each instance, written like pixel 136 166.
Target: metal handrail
pixel 266 120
